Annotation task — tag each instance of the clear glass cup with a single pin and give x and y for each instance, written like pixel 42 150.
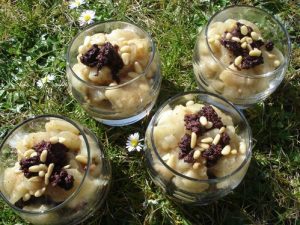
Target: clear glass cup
pixel 121 104
pixel 170 179
pixel 242 87
pixel 56 205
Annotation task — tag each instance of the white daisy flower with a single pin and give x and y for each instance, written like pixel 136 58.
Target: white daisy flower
pixel 40 83
pixel 134 143
pixel 86 17
pixel 76 3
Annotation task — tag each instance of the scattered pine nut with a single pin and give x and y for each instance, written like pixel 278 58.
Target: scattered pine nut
pixel 26 197
pixel 61 140
pixel 203 120
pixel 207 140
pixel 28 153
pixel 270 56
pixel 49 172
pixel 276 63
pixel 254 36
pixel 226 150
pixel 33 154
pixel 249 40
pixel 242 148
pixel 196 154
pixel 126 58
pixel 228 36
pixel 138 67
pixel 249 47
pixel 189 103
pixel 204 145
pixel 236 39
pixel 34 179
pixel 166 157
pixel 222 130
pixel 209 125
pixel 244 45
pixel 125 48
pixel 255 52
pixel 233 152
pixel 34 169
pixel 238 60
pixel 42 173
pixel 193 140
pixel 43 156
pixel 82 159
pixel 38 193
pixel 216 139
pixel 54 140
pixel 211 40
pixel 67 166
pixel 244 30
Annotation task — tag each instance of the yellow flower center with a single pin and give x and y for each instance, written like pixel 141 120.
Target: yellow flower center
pixel 87 17
pixel 134 142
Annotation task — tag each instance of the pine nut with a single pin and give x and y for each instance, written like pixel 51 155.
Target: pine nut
pixel 244 30
pixel 54 140
pixel 207 140
pixel 26 197
pixel 28 153
pixel 276 63
pixel 242 148
pixel 34 179
pixel 255 52
pixel 222 130
pixel 166 157
pixel 236 39
pixel 249 47
pixel 203 120
pixel 233 152
pixel 38 193
pixel 61 140
pixel 226 150
pixel 87 40
pixel 196 154
pixel 254 36
pixel 34 169
pixel 33 154
pixel 209 125
pixel 82 159
pixel 43 156
pixel 244 45
pixel 125 48
pixel 189 103
pixel 137 67
pixel 125 57
pixel 49 172
pixel 42 173
pixel 204 145
pixel 249 40
pixel 238 60
pixel 193 140
pixel 67 166
pixel 270 56
pixel 228 36
pixel 244 39
pixel 211 40
pixel 196 165
pixel 216 139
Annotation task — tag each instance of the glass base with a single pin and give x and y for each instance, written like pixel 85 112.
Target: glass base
pixel 126 121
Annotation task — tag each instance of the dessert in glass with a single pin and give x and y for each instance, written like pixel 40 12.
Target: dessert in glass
pixel 242 54
pixel 113 70
pixel 198 147
pixel 53 171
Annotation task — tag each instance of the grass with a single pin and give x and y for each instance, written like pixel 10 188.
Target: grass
pixel 33 39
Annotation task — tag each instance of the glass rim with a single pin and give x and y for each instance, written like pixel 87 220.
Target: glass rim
pixel 244 74
pixel 212 180
pixel 90 84
pixel 78 189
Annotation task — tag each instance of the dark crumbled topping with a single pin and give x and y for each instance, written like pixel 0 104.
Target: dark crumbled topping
pixel 185 143
pixel 56 153
pixel 192 123
pixel 26 163
pixel 236 49
pixel 211 116
pixel 62 179
pixel 105 55
pixel 251 61
pixel 225 139
pixel 212 154
pixel 269 46
pixel 186 153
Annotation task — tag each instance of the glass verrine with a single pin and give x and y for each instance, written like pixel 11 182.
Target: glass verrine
pixel 244 62
pixel 174 165
pixel 53 171
pixel 114 94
